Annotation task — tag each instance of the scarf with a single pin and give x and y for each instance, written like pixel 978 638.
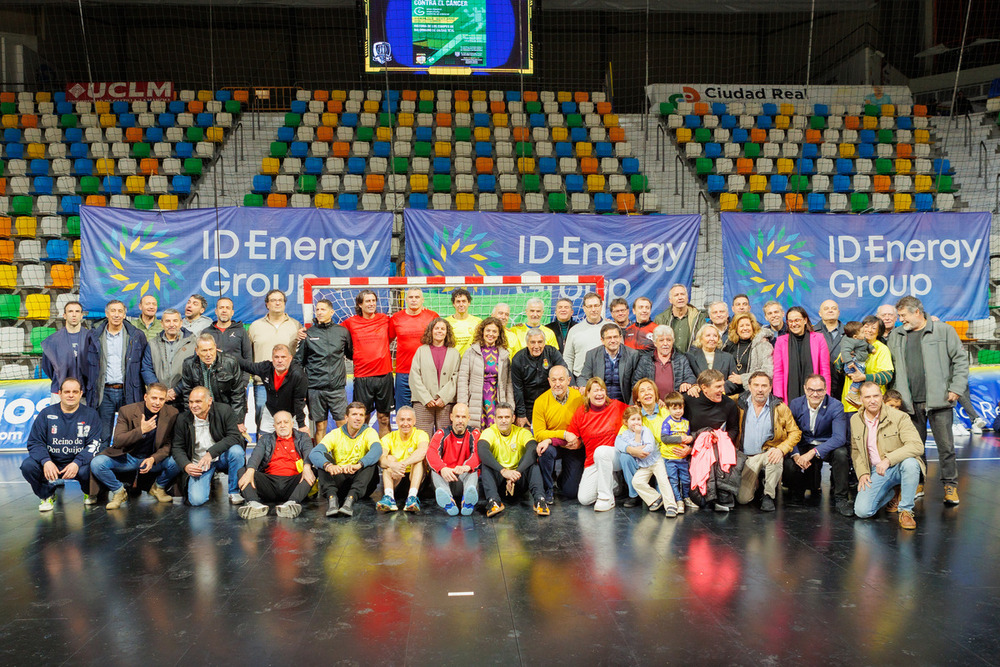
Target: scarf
pixel 799 364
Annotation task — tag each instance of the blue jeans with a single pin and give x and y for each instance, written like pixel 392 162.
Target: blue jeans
pixel 110 404
pixel 199 488
pixel 34 473
pixel 905 474
pixel 630 465
pixel 679 474
pixel 259 399
pixel 104 469
pixel 402 390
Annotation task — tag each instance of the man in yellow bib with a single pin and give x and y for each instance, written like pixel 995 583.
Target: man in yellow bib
pixel 508 457
pixel 403 453
pixel 346 457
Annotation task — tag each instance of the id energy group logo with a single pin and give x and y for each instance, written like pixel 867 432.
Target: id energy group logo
pixel 450 251
pixel 778 267
pixel 131 262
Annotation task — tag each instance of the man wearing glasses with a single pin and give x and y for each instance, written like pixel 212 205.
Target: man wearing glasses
pixel 275 328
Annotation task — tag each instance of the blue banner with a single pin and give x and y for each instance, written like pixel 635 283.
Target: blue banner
pixel 237 252
pixel 639 255
pixel 20 402
pixel 860 261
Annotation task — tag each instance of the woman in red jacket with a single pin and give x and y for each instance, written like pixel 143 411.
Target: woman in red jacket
pixel 597 424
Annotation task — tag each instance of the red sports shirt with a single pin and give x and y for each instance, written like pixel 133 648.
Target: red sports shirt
pixel 370 339
pixel 409 329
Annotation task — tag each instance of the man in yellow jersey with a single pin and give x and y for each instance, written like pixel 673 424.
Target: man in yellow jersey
pixel 463 324
pixel 507 454
pixel 533 309
pixel 403 453
pixel 550 417
pixel 346 457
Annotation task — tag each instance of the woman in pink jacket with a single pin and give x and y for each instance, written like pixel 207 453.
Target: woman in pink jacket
pixel 798 354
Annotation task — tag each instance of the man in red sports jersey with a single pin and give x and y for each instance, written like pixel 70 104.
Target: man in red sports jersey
pixel 409 325
pixel 371 332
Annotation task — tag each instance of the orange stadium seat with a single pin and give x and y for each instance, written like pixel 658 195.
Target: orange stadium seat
pixel 275 200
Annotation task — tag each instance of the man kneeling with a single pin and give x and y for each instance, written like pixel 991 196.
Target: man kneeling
pixel 886 449
pixel 346 457
pixel 508 455
pixel 403 453
pixel 278 471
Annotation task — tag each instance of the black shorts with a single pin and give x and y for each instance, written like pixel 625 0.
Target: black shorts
pixel 327 401
pixel 376 392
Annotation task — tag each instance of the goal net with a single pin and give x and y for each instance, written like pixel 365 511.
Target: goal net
pixel 486 292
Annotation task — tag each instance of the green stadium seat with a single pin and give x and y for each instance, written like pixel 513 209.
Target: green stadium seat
pixel 67 120
pixel 400 165
pixel 639 183
pixel 751 202
pixel 703 135
pixel 817 123
pixel 557 202
pixel 10 306
pixel 574 120
pixel 39 334
pixel 945 184
pixel 885 137
pixel 798 183
pixel 194 134
pixel 73 226
pixel 523 149
pixel 365 133
pixel 144 203
pixel 859 202
pixel 883 165
pixel 425 106
pixel 751 150
pixel 90 185
pixel 463 134
pixel 704 166
pixel 872 110
pixel 422 149
pixel 667 108
pixel 22 205
pixel 141 150
pixel 279 149
pixel 442 182
pixel 387 119
pixel 530 182
pixel 252 200
pixel 192 166
pixel 293 119
pixel 529 107
pixel 307 183
pixel 233 107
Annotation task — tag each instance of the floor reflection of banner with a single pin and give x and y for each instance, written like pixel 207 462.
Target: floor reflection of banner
pixel 20 401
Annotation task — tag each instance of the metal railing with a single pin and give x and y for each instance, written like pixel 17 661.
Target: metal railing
pixel 240 143
pixel 996 204
pixel 984 161
pixel 678 182
pixel 661 136
pixel 702 197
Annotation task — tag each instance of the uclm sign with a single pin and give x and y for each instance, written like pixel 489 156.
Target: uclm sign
pixel 113 91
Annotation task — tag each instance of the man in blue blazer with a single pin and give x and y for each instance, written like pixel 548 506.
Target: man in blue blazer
pixel 824 437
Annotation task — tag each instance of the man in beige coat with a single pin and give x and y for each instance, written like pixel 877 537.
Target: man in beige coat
pixel 886 449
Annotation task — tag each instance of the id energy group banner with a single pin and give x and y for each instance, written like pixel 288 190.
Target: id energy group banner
pixel 238 252
pixel 639 255
pixel 859 261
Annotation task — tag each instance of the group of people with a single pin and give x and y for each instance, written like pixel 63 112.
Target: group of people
pixel 713 407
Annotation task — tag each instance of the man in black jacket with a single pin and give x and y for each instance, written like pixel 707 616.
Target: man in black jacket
pixel 230 337
pixel 278 471
pixel 529 373
pixel 618 365
pixel 207 440
pixel 286 386
pixel 322 353
pixel 217 372
pixel 564 321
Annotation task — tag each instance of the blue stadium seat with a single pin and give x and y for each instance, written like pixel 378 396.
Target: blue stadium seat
pixel 692 121
pixel 727 122
pixel 512 95
pixel 183 149
pixel 547 165
pixel 223 95
pixel 261 184
pixel 716 183
pixel 126 120
pixel 42 185
pixel 154 134
pixel 630 165
pixel 713 150
pixel 166 120
pixel 943 166
pixel 481 120
pixel 64 107
pixel 112 185
pixel 845 166
pixel 564 149
pixel 78 150
pixel 764 122
pixel 347 120
pixel 120 107
pixel 810 151
pixel 805 166
pixel 779 183
pixel 603 149
pixel 181 185
pixel 770 109
pixel 14 151
pixel 842 183
pixel 423 134
pixel 299 149
pixel 486 182
pixel 537 120
pixel 418 200
pixel 286 134
pixel 604 202
pixel 177 106
pixel 568 107
pixel 349 202
pixel 740 135
pixel 70 205
pixel 38 167
pixel 56 250
pixel 718 108
pixel 866 151
pixel 73 135
pixel 904 123
pixel 356 165
pixel 867 137
pixel 816 202
pixel 574 183
pixel 299 107
pixel 442 165
pixel 821 110
pixel 484 149
pixel 578 134
pixel 924 201
pixel 389 105
pixel 12 135
pixel 313 166
pixel 392 95
pixel 83 167
pixel 381 149
pixel 205 119
pixel 59 97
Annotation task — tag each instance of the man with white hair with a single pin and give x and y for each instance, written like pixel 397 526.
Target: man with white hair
pixel 278 471
pixel 403 452
pixel 529 373
pixel 533 310
pixel 887 313
pixel 718 315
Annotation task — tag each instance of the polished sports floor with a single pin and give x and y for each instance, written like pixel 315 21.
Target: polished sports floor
pixel 172 585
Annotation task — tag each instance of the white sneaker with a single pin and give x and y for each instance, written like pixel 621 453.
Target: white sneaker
pixel 604 505
pixel 47 504
pixel 977 426
pixel 252 510
pixel 236 499
pixel 289 509
pixel 690 504
pixel 958 429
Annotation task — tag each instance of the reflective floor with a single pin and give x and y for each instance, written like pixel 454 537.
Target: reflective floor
pixel 172 585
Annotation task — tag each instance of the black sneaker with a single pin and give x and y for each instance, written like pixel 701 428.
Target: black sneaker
pixel 844 507
pixel 767 504
pixel 631 502
pixel 332 506
pixel 493 507
pixel 347 509
pixel 541 507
